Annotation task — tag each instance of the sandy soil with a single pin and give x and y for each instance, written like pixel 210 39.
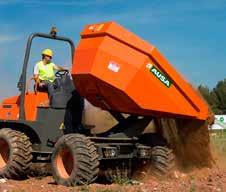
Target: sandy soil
pixel 203 180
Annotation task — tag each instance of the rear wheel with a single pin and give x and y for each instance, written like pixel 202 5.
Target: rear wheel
pixel 162 157
pixel 162 161
pixel 15 154
pixel 74 160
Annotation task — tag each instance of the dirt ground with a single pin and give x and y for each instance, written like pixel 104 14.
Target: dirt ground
pixel 204 180
pixel 199 180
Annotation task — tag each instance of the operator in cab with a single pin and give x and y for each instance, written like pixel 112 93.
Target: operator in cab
pixel 44 72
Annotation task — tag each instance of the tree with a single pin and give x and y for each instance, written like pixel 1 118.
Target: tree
pixel 205 92
pixel 215 103
pixel 219 93
pixel 216 98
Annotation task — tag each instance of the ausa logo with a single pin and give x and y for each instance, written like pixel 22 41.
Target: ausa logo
pixel 157 73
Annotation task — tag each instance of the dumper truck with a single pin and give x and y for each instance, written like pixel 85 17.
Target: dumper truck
pixel 116 71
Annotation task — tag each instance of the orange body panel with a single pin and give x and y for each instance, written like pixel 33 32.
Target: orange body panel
pixel 116 70
pixel 9 109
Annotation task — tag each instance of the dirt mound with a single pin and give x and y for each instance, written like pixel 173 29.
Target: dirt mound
pixel 190 141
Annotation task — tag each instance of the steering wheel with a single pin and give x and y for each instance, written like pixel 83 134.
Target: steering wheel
pixel 61 73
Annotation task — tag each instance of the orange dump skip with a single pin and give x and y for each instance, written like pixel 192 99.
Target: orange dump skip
pixel 116 70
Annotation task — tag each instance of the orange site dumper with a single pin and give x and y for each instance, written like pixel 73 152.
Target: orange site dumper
pixel 158 116
pixel 118 71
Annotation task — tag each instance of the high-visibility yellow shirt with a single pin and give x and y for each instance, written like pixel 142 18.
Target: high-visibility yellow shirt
pixel 45 72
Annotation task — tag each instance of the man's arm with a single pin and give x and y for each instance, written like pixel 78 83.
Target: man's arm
pixel 59 68
pixel 36 78
pixel 36 74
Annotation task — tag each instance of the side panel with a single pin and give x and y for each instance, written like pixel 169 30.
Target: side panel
pixel 9 109
pixel 32 102
pixel 44 132
pixel 49 126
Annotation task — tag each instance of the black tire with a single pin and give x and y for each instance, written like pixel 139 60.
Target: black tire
pixel 162 161
pixel 74 161
pixel 15 154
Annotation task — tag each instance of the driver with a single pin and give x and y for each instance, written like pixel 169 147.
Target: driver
pixel 44 74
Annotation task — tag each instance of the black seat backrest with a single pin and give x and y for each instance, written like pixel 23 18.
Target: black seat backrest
pixel 63 88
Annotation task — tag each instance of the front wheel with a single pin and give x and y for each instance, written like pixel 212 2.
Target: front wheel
pixel 15 154
pixel 162 160
pixel 74 160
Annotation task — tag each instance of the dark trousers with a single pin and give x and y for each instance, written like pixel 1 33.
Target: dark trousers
pixel 47 87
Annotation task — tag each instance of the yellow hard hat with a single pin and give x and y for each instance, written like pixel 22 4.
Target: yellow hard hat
pixel 47 52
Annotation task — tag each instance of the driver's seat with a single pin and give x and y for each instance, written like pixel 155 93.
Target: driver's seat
pixel 62 92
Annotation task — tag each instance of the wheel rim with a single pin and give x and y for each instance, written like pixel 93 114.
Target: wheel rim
pixel 4 153
pixel 64 162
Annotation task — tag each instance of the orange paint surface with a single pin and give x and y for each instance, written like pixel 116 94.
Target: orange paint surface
pixel 9 109
pixel 116 70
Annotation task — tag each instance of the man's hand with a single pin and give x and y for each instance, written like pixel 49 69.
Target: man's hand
pixel 41 84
